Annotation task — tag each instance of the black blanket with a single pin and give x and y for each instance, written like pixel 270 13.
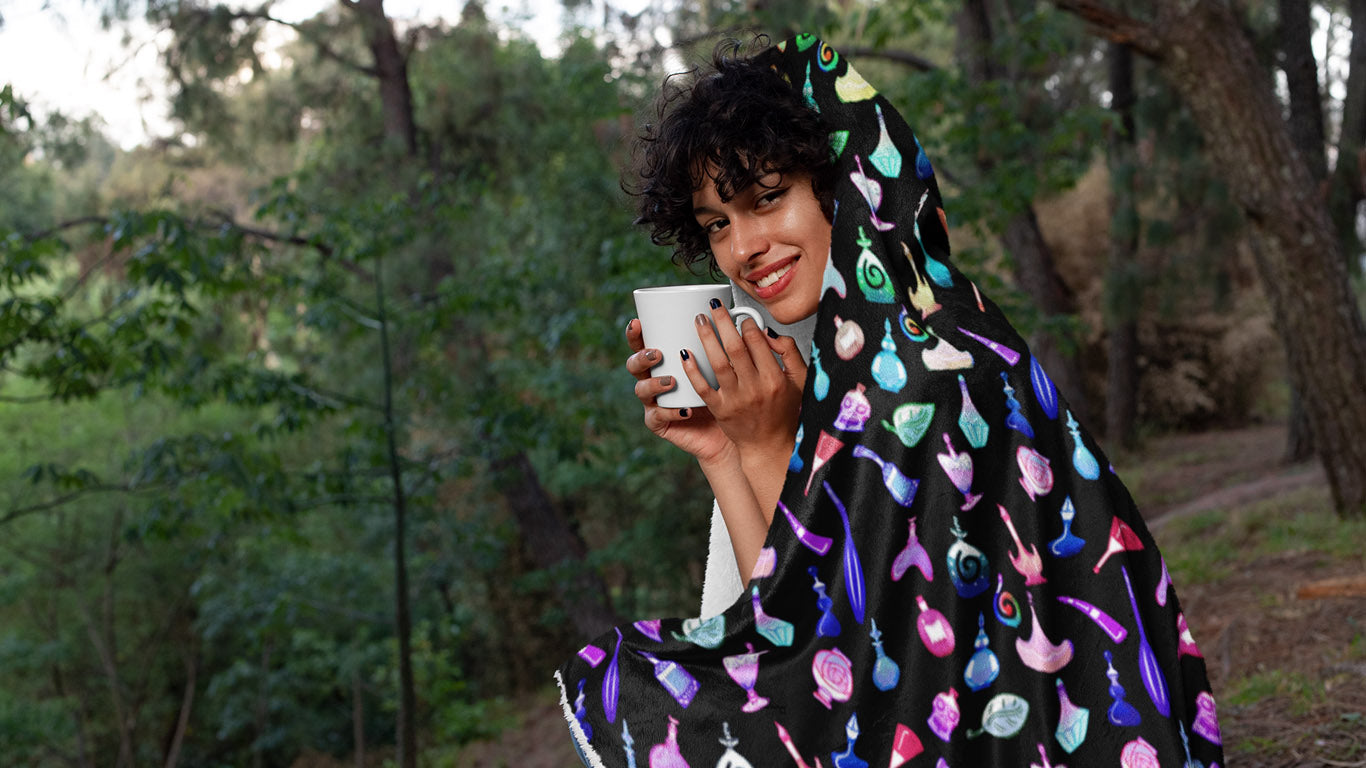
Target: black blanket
pixel 954 576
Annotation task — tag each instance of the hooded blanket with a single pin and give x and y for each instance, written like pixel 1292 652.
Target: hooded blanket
pixel 954 575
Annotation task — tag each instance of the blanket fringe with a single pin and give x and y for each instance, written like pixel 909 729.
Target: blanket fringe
pixel 575 729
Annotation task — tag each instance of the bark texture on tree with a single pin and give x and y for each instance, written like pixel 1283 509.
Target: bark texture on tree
pixel 1306 131
pixel 1123 284
pixel 391 67
pixel 1201 50
pixel 1037 276
pixel 554 545
pixel 1345 189
pixel 1302 82
pixel 1034 268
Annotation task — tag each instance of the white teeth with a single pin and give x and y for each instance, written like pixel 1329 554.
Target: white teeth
pixel 773 277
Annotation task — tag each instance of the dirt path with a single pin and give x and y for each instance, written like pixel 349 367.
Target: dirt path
pixel 1177 476
pixel 1288 669
pixel 1287 479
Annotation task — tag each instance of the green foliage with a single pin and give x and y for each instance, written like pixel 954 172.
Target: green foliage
pixel 202 400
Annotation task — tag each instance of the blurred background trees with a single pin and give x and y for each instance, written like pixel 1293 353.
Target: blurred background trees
pixel 318 439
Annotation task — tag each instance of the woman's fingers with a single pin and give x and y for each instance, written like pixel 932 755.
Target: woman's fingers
pixel 739 347
pixel 695 377
pixel 635 337
pixel 794 367
pixel 648 388
pixel 639 364
pixel 658 419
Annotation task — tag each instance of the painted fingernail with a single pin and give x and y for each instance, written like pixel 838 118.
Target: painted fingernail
pixel 772 334
pixel 700 319
pixel 666 381
pixel 715 303
pixel 683 412
pixel 629 323
pixel 684 353
pixel 650 355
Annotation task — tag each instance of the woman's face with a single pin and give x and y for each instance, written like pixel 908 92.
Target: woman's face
pixel 771 239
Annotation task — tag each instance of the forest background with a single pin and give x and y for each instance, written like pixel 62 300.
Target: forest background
pixel 318 445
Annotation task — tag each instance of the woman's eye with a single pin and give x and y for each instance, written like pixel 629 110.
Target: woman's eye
pixel 771 197
pixel 715 226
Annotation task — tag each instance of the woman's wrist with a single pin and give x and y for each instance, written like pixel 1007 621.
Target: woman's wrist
pixel 722 462
pixel 765 467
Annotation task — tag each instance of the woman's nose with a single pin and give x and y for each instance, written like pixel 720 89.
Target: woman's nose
pixel 748 240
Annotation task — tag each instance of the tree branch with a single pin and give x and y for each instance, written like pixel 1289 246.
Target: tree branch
pixel 80 221
pixel 223 220
pixel 322 46
pixel 275 237
pixel 307 242
pixel 343 500
pixel 1115 26
pixel 18 512
pixel 911 60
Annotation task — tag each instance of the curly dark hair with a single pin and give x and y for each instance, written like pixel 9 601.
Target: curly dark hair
pixel 741 118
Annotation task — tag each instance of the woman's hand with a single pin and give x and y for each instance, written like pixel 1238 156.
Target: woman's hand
pixel 691 429
pixel 756 403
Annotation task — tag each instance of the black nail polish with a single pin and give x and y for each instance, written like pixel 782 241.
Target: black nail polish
pixel 684 353
pixel 715 303
pixel 683 412
pixel 772 334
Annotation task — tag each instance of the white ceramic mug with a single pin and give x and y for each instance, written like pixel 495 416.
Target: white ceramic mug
pixel 666 322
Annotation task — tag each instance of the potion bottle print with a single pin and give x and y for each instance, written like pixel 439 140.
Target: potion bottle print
pixel 967 565
pixel 676 680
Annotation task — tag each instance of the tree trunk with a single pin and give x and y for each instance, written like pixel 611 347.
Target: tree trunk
pixel 1036 274
pixel 1123 281
pixel 1345 190
pixel 103 636
pixel 406 721
pixel 1302 83
pixel 262 715
pixel 391 68
pixel 554 545
pixel 186 704
pixel 1306 131
pixel 1034 270
pixel 1203 53
pixel 357 719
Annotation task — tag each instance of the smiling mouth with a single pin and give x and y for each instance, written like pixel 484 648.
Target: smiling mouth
pixel 775 281
pixel 774 276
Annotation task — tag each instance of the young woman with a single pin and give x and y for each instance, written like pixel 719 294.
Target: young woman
pixel 945 569
pixel 766 227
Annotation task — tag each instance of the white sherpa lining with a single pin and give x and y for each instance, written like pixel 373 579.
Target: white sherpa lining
pixel 721 583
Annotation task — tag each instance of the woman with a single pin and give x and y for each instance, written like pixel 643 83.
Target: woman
pixel 958 577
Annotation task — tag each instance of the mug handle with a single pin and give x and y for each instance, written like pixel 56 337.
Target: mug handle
pixel 753 313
